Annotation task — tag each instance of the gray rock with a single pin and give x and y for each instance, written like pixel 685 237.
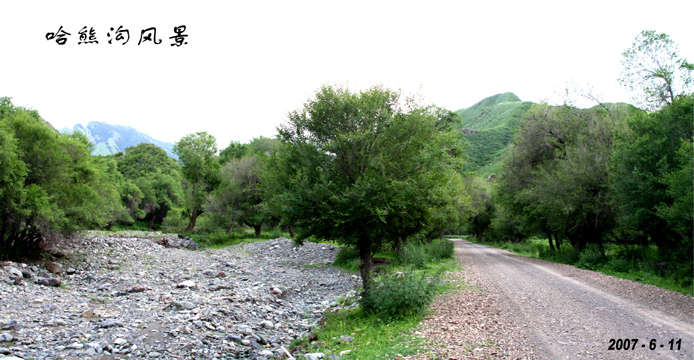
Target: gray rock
pixel 13 271
pixel 5 337
pixel 110 323
pixel 185 305
pixel 235 338
pixel 346 338
pixel 54 267
pixel 267 324
pixel 50 282
pixel 5 351
pixel 314 356
pixel 104 286
pixel 208 273
pixel 186 284
pixel 12 324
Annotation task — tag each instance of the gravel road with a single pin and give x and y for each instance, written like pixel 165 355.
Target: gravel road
pixel 517 307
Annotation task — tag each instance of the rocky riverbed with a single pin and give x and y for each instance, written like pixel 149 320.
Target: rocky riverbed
pixel 133 297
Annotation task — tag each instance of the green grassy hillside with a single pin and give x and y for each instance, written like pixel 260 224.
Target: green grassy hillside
pixel 489 127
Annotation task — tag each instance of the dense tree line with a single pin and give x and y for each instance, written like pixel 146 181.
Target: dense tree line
pixel 613 172
pixel 49 183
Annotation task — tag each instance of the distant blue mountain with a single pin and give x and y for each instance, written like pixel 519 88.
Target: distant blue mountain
pixel 110 139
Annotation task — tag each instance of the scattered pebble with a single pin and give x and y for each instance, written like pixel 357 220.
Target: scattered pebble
pixel 157 297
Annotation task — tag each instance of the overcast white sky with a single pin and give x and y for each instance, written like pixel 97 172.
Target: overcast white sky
pixel 247 64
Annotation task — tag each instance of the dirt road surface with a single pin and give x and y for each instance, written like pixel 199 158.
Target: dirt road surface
pixel 523 308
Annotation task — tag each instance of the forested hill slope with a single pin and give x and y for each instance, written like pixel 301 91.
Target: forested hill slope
pixel 489 126
pixel 109 139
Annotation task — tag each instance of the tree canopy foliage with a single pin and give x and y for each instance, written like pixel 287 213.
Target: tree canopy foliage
pixel 357 166
pixel 652 181
pixel 556 175
pixel 152 182
pixel 239 199
pixel 654 71
pixel 197 154
pixel 50 182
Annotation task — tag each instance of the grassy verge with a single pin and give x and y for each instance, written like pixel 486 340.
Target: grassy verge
pixel 354 334
pixel 219 240
pixel 623 261
pixel 357 336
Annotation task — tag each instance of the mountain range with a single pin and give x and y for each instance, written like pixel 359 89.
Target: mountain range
pixel 489 127
pixel 110 139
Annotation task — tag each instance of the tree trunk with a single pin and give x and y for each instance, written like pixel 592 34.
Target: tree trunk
pixel 442 234
pixel 578 243
pixel 230 229
pixel 398 246
pixel 478 228
pixel 291 232
pixel 549 237
pixel 151 223
pixel 365 256
pixel 258 229
pixel 193 218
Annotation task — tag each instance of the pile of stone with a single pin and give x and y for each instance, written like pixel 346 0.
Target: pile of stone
pixel 135 298
pixel 177 241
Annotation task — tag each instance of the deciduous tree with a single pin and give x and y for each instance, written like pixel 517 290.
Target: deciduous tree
pixel 197 153
pixel 654 71
pixel 354 165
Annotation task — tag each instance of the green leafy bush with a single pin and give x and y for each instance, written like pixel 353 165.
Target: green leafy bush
pixel 565 255
pixel 591 258
pixel 441 249
pixel 174 221
pixel 619 264
pixel 401 294
pixel 415 255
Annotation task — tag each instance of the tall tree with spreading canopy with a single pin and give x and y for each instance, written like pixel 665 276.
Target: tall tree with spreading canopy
pixel 654 71
pixel 153 182
pixel 239 199
pixel 197 154
pixel 555 178
pixel 354 165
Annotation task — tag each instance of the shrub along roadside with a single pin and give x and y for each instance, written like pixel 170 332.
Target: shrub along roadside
pixel 630 262
pixel 383 326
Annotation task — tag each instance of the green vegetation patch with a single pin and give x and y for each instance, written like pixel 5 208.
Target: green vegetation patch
pixel 356 336
pixel 383 326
